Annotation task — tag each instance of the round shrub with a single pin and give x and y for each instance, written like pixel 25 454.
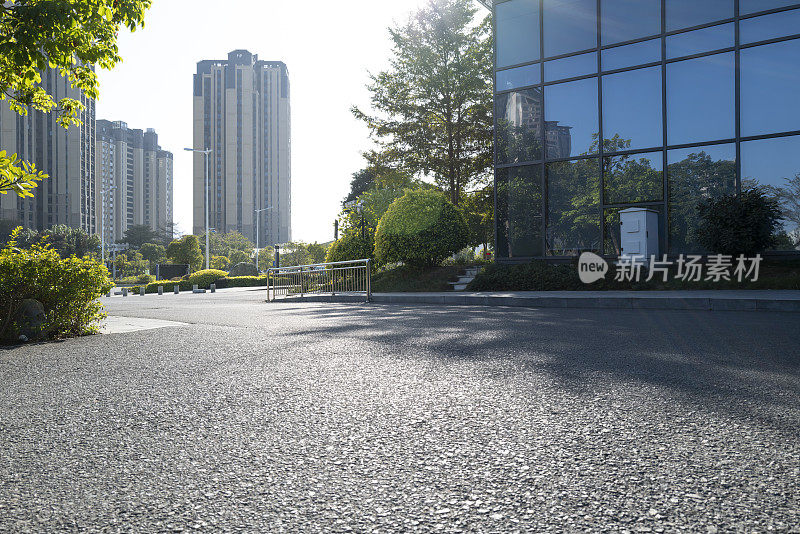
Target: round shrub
pixel 352 246
pixel 244 268
pixel 739 224
pixel 204 279
pixel 421 229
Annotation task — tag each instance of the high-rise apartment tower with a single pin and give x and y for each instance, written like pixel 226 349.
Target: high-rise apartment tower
pixel 242 114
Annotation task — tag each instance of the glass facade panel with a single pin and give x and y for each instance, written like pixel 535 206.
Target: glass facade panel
pixel 519 126
pixel 570 26
pixel 570 67
pixel 772 26
pixel 770 81
pixel 613 239
pixel 689 13
pixel 519 77
pixel 754 6
pixel 634 178
pixel 519 212
pixel 698 41
pixel 571 118
pixel 517 32
pixel 573 207
pixel 632 55
pixel 626 20
pixel 774 164
pixel 701 99
pixel 632 117
pixel 695 174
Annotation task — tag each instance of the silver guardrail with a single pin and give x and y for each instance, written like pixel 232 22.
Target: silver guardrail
pixel 340 277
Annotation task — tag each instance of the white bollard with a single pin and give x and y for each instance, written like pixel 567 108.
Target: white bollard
pixel 160 290
pixel 213 288
pixel 124 291
pixel 141 291
pixel 177 289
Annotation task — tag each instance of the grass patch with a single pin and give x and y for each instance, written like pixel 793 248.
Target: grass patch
pixel 406 279
pixel 542 276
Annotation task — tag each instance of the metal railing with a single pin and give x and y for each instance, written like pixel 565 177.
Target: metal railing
pixel 341 277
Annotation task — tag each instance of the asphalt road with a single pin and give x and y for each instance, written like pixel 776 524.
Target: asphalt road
pixel 366 418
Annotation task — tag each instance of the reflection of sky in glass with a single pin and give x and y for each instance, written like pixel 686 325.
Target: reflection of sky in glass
pixel 625 20
pixel 688 13
pixel 701 99
pixel 771 160
pixel 770 26
pixel 632 107
pixel 517 31
pixel 519 77
pixel 574 105
pixel 770 88
pixel 754 6
pixel 569 26
pixel 698 41
pixel 570 67
pixel 726 152
pixel 632 55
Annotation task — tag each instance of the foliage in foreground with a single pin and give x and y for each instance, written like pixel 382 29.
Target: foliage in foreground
pixel 67 288
pixel 72 37
pixel 421 229
pixel 739 224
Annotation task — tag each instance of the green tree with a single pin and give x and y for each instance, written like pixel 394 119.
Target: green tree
pixel 361 182
pixel 69 241
pixel 186 250
pixel 733 224
pixel 153 253
pixel 220 262
pixel 139 234
pixel 478 209
pixel 433 107
pixel 71 36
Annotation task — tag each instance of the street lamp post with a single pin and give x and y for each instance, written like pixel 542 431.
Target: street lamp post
pixel 207 152
pixel 258 227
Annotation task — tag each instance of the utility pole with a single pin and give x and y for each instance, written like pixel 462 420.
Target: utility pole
pixel 207 152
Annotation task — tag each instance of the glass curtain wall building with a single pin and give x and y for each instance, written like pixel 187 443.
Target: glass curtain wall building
pixel 603 105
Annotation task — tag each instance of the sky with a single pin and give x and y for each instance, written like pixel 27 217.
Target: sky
pixel 329 48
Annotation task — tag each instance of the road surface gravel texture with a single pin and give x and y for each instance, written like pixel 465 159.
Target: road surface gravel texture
pixel 258 417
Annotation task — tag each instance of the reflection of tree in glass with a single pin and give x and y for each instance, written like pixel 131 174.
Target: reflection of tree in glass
pixel 788 197
pixel 519 201
pixel 691 180
pixel 573 219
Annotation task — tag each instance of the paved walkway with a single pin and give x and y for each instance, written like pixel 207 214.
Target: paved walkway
pixel 766 300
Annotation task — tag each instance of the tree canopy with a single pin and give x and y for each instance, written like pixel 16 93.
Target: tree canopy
pixel 432 109
pixel 72 36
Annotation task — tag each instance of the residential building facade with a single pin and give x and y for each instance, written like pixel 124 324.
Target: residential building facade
pixel 135 180
pixel 603 105
pixel 68 196
pixel 242 114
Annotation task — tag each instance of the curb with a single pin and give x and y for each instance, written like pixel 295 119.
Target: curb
pixel 629 303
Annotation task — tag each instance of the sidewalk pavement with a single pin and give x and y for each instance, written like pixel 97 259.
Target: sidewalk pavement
pixel 721 300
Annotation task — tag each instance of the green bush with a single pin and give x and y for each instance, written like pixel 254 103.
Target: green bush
pixel 352 246
pixel 421 228
pixel 244 269
pixel 169 286
pixel 204 279
pixel 137 279
pixel 67 288
pixel 739 224
pixel 242 281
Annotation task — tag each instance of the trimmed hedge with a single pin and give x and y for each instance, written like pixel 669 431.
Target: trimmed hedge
pixel 421 229
pixel 243 269
pixel 187 285
pixel 351 246
pixel 204 279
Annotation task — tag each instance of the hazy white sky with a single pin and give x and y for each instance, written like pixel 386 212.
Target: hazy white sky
pixel 328 48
